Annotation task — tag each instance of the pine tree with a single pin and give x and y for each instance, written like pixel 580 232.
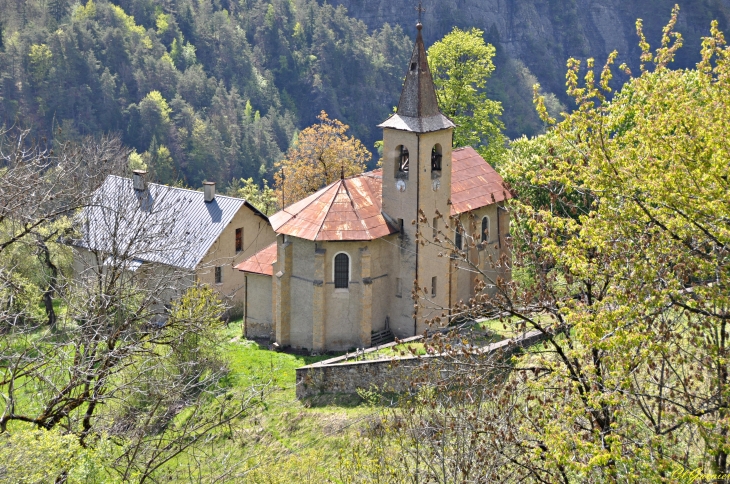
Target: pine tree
pixel 58 8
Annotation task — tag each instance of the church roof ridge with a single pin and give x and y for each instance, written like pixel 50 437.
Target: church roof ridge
pixel 347 209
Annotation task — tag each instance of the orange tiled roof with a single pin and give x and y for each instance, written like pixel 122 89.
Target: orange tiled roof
pixel 474 183
pixel 348 209
pixel 261 262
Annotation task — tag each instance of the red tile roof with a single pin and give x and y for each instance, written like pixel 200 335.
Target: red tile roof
pixel 474 183
pixel 348 209
pixel 261 262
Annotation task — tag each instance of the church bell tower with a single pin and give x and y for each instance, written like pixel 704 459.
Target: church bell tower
pixel 417 143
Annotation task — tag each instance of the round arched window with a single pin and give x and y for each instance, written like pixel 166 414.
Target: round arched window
pixel 436 157
pixel 402 162
pixel 342 270
pixel 485 229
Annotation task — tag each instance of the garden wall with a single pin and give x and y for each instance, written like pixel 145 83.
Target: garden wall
pixel 348 374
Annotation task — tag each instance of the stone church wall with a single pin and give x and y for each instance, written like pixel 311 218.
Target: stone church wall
pixel 301 292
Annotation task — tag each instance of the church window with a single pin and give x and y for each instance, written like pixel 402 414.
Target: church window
pixel 436 158
pixel 457 239
pixel 342 270
pixel 413 66
pixel 398 287
pixel 401 228
pixel 402 163
pixel 433 286
pixel 485 229
pixel 435 227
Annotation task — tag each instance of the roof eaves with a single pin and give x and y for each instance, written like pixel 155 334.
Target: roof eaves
pixel 256 211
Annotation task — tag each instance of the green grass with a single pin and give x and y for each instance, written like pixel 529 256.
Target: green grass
pixel 288 440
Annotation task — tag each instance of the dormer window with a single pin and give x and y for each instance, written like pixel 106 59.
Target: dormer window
pixel 436 160
pixel 402 162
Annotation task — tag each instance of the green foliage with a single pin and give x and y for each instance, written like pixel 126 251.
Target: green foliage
pixel 621 262
pixel 460 64
pixel 27 273
pixel 40 62
pixel 222 86
pixel 36 456
pixel 263 198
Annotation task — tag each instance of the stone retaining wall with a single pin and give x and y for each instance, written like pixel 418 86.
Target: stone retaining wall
pixel 341 375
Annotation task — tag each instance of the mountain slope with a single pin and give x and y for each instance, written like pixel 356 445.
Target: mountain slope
pixel 542 34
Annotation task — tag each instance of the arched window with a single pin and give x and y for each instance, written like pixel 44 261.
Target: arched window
pixel 457 238
pixel 436 158
pixel 342 270
pixel 402 163
pixel 485 229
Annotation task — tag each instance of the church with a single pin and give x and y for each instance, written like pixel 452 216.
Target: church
pixel 347 258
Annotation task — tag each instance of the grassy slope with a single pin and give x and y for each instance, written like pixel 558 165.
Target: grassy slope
pixel 289 441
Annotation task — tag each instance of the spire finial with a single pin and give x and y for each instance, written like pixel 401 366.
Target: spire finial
pixel 420 10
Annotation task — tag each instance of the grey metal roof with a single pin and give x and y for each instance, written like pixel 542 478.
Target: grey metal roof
pixel 168 225
pixel 418 97
pixel 417 125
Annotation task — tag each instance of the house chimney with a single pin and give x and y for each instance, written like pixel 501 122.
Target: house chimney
pixel 138 180
pixel 209 191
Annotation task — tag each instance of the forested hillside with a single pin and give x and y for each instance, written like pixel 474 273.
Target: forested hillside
pixel 201 89
pixel 217 89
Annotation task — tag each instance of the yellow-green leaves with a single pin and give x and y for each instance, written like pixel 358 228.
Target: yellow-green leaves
pixel 322 153
pixel 30 456
pixel 461 63
pixel 40 61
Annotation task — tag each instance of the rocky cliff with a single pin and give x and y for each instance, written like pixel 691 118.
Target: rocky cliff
pixel 536 37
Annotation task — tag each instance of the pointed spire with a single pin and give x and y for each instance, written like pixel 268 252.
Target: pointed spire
pixel 418 97
pixel 418 109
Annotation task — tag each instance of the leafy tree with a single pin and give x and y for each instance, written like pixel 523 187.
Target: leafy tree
pixel 322 154
pixel 263 198
pixel 40 62
pixel 98 70
pixel 621 263
pixel 112 371
pixel 155 115
pixel 461 64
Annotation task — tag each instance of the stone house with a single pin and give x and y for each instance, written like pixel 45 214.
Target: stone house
pixel 182 236
pixel 346 258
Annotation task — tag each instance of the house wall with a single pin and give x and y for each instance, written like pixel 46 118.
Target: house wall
pixel 352 314
pixel 257 312
pixel 165 282
pixel 257 234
